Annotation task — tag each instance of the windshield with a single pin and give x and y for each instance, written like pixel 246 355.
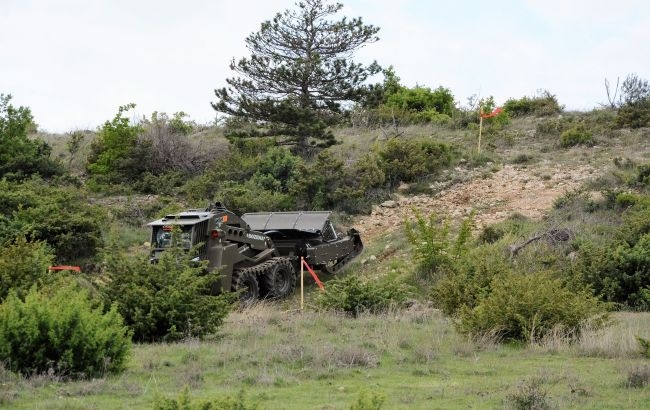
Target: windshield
pixel 163 236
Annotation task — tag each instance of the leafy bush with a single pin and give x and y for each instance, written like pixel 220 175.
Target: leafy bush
pixel 60 215
pixel 405 160
pixel 168 300
pixel 634 111
pixel 184 402
pixel 422 99
pixel 527 307
pixel 116 155
pixel 23 264
pixel 618 273
pixel 368 401
pixel 61 330
pixel 355 296
pixel 21 156
pixel 465 283
pixel 434 249
pixel 576 135
pixel 316 183
pixel 544 104
pixel 644 346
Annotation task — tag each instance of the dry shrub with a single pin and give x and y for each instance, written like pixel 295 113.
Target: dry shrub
pixel 529 394
pixel 638 377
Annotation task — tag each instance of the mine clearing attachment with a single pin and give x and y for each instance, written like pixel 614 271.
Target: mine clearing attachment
pixel 258 254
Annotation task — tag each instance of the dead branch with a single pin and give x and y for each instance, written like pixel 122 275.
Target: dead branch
pixel 553 236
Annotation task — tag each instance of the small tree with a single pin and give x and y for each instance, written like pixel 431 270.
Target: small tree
pixel 300 73
pixel 635 108
pixel 61 329
pixel 21 156
pixel 114 157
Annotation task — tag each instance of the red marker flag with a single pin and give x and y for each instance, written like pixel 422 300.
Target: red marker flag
pixel 494 113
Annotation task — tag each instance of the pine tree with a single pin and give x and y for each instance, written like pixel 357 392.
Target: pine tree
pixel 300 74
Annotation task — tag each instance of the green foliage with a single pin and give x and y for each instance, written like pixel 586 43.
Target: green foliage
pixel 406 160
pixel 21 156
pixel 634 111
pixel 644 346
pixel 115 155
pixel 299 74
pixel 422 99
pixel 479 288
pixel 317 183
pixel 619 273
pixel 543 104
pixel 184 402
pixel 169 300
pixel 368 401
pixel 578 134
pixel 60 330
pixel 470 279
pixel 354 295
pixel 528 307
pixel 22 265
pixel 57 214
pixel 434 249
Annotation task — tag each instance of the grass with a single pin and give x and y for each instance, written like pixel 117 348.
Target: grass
pixel 285 359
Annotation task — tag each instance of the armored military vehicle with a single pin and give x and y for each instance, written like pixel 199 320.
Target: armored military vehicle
pixel 258 253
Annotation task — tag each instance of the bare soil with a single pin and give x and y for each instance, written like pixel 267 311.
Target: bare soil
pixel 492 196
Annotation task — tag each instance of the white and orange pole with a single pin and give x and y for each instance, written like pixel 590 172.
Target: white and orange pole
pixel 302 283
pixel 480 127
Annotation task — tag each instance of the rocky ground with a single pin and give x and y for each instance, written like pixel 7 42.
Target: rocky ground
pixel 493 196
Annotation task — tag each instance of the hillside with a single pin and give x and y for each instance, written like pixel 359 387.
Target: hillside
pixel 274 356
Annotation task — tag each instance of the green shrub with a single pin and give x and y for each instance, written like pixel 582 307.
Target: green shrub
pixel 21 156
pixel 644 346
pixel 406 160
pixel 527 307
pixel 422 99
pixel 61 330
pixel 116 155
pixel 169 300
pixel 470 278
pixel 434 248
pixel 543 104
pixel 23 264
pixel 368 401
pixel 634 111
pixel 618 272
pixel 643 175
pixel 316 183
pixel 576 135
pixel 353 295
pixel 184 402
pixel 58 214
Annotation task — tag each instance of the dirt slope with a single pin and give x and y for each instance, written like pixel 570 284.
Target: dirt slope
pixel 494 197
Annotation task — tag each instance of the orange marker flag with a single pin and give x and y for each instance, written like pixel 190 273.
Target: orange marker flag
pixel 494 113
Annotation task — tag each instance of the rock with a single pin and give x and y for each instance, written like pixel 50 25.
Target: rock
pixel 389 204
pixel 403 187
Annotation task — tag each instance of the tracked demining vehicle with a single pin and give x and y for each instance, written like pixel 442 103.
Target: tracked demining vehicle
pixel 258 253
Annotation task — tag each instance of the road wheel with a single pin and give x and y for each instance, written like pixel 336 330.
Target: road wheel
pixel 278 279
pixel 244 280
